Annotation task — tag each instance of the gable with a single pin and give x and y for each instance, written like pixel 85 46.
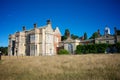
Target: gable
pixel 57 31
pixel 49 28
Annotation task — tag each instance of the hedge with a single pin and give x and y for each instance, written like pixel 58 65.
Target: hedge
pixel 97 48
pixel 118 47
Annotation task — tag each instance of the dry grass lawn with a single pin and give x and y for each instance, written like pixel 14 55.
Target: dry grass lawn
pixel 61 67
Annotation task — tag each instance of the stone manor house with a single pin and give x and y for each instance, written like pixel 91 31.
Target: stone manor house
pixel 38 41
pixel 47 41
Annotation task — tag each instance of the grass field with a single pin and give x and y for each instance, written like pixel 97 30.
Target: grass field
pixel 62 67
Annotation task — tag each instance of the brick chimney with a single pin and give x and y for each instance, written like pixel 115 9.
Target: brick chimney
pixel 48 22
pixel 24 28
pixel 35 25
pixel 115 30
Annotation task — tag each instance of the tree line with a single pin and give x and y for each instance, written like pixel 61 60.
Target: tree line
pixel 73 36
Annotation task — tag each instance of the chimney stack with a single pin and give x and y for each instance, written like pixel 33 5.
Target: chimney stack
pixel 35 25
pixel 98 33
pixel 115 30
pixel 48 22
pixel 24 28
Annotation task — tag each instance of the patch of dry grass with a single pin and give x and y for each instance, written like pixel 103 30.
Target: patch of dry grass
pixel 62 67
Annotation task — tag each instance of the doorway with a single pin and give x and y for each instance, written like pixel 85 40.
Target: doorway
pixel 70 48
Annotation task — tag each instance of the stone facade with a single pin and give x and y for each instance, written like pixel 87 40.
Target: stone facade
pixel 106 38
pixel 109 39
pixel 38 41
pixel 70 45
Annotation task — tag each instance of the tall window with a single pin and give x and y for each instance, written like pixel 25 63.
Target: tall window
pixel 49 38
pixel 32 47
pixel 32 38
pixel 17 38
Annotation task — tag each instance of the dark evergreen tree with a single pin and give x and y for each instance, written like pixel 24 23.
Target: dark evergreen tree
pixel 94 35
pixel 85 36
pixel 64 38
pixel 66 34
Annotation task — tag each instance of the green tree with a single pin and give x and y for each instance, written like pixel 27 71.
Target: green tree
pixel 64 38
pixel 94 35
pixel 66 34
pixel 85 36
pixel 74 36
pixel 4 50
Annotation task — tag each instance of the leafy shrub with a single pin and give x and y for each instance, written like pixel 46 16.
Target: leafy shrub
pixel 63 51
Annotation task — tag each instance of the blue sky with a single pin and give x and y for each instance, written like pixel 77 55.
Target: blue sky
pixel 78 16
